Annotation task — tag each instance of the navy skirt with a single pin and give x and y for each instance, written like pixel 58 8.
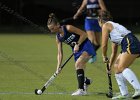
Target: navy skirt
pixel 87 47
pixel 130 44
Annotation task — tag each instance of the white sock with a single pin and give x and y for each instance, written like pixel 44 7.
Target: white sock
pixel 121 83
pixel 131 77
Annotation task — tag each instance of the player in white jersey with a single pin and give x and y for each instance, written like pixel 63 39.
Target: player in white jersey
pixel 130 50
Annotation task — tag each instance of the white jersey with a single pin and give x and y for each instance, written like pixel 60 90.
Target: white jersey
pixel 118 32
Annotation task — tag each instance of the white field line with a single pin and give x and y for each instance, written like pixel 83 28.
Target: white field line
pixel 56 93
pixel 50 93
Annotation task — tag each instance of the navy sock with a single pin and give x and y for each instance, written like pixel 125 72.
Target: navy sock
pixel 80 78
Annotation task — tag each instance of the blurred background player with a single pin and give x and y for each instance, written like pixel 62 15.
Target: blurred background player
pixel 91 23
pixel 130 50
pixel 81 47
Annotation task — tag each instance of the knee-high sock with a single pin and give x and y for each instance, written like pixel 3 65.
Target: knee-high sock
pixel 80 78
pixel 121 83
pixel 131 77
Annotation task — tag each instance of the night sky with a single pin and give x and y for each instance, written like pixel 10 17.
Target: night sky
pixel 125 11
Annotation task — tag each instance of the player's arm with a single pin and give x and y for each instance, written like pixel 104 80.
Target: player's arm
pixel 80 10
pixel 60 53
pixel 105 36
pixel 82 34
pixel 102 5
pixel 78 31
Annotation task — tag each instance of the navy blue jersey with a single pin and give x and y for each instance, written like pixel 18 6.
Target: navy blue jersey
pixel 68 38
pixel 92 8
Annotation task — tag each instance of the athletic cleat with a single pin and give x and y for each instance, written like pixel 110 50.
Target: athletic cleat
pixel 79 92
pixel 121 97
pixel 92 59
pixel 136 94
pixel 87 83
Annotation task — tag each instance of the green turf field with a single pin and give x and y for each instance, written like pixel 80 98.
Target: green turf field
pixel 27 61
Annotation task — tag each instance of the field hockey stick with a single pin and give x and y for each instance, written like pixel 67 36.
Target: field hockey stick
pixel 110 93
pixel 39 92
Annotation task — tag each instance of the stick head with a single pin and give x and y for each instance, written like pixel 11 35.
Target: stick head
pixel 109 95
pixel 38 92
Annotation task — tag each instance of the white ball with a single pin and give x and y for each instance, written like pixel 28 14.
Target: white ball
pixel 39 92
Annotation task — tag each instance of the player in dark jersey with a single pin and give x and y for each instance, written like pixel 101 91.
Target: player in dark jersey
pixel 91 23
pixel 82 48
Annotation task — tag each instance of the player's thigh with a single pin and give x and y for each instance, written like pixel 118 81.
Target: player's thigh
pixel 115 66
pixel 91 35
pixel 125 60
pixel 82 60
pixel 98 35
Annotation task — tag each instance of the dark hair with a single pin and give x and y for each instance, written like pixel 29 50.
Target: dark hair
pixel 52 19
pixel 105 16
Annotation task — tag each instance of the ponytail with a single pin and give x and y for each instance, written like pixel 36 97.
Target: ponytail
pixel 52 19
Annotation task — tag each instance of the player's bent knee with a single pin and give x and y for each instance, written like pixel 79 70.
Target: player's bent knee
pixel 120 69
pixel 79 65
